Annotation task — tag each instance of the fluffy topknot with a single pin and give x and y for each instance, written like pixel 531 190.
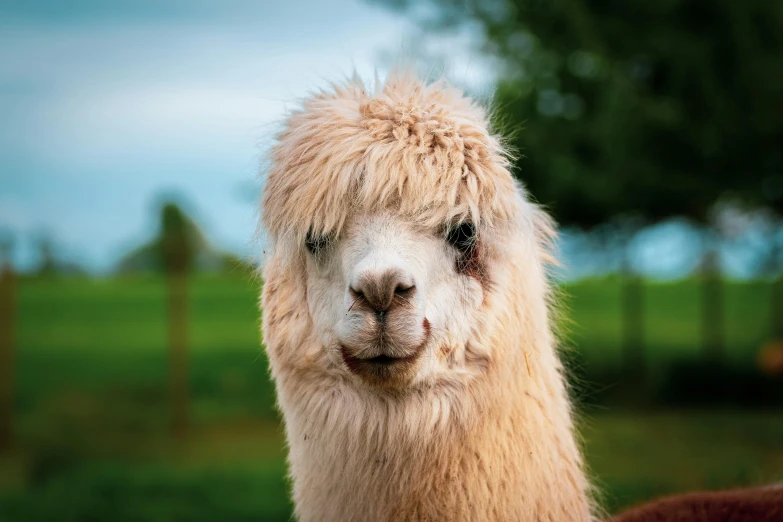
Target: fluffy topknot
pixel 423 150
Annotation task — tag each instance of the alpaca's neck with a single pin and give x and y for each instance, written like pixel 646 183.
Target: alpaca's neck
pixel 501 449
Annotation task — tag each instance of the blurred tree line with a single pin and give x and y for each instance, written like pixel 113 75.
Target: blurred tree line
pixel 50 260
pixel 629 112
pixel 155 255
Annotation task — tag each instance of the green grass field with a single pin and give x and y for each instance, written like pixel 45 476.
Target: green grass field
pixel 672 319
pixel 91 425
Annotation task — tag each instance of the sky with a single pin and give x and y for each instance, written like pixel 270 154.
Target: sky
pixel 108 107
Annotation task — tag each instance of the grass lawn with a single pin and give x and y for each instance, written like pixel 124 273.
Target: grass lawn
pixel 91 424
pixel 98 333
pixel 235 471
pixel 634 456
pixel 672 319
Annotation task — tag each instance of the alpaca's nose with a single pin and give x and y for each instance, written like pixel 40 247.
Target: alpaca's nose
pixel 379 289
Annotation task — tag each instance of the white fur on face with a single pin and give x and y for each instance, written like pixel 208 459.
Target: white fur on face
pixel 425 329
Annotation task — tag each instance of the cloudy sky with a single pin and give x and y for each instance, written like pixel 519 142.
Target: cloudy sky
pixel 109 106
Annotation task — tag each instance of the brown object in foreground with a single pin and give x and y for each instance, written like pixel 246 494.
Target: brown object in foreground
pixel 7 323
pixel 770 357
pixel 739 505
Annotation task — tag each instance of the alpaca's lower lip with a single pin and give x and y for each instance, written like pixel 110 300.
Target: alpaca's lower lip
pixel 385 360
pixel 380 360
pixel 381 367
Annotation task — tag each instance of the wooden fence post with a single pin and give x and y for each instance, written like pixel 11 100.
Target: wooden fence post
pixel 7 341
pixel 178 351
pixel 633 322
pixel 776 288
pixel 178 251
pixel 632 313
pixel 712 305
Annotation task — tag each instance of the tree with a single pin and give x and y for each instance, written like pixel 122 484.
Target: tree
pixel 152 256
pixel 643 110
pixel 47 264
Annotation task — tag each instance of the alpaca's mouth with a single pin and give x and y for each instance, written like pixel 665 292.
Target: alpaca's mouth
pixel 359 365
pixel 381 370
pixel 391 365
pixel 382 359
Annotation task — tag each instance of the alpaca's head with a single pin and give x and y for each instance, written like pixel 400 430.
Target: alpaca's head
pixel 394 301
pixel 395 219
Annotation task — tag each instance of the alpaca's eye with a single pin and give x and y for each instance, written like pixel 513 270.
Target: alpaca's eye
pixel 462 237
pixel 316 242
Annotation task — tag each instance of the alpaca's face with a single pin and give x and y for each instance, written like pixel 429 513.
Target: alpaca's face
pixel 392 303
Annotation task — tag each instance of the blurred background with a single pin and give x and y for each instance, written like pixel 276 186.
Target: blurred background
pixel 132 385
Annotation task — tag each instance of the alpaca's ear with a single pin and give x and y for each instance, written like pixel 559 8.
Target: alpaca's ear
pixel 287 326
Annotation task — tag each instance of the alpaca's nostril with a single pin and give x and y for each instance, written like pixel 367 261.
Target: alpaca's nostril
pixel 403 290
pixel 378 289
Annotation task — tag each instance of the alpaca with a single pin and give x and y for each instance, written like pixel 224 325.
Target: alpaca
pixel 406 316
pixel 741 505
pixel 408 326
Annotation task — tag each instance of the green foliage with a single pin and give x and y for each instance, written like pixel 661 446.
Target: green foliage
pixel 635 107
pixel 47 264
pixel 179 239
pixel 6 246
pixel 179 246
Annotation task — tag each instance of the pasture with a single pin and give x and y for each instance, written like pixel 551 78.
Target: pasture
pixel 91 422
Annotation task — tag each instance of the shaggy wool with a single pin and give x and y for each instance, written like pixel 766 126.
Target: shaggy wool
pixel 484 429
